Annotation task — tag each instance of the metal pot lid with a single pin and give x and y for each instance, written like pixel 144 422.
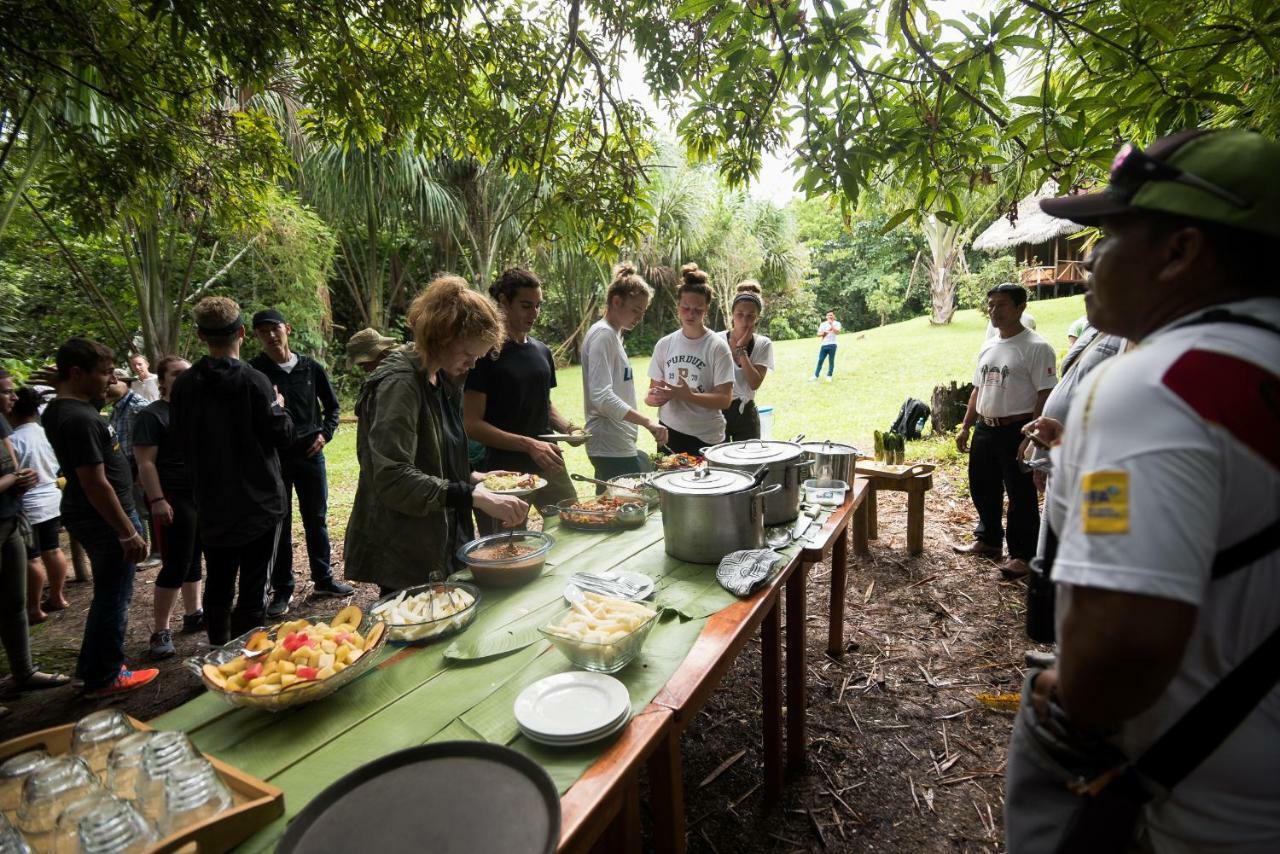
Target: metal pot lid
pixel 703 481
pixel 753 452
pixel 828 447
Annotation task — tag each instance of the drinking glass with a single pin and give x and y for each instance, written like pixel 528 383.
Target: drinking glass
pixel 14 772
pixel 51 788
pixel 96 733
pixel 193 791
pixel 163 751
pixel 125 763
pixel 11 841
pixel 66 832
pixel 115 827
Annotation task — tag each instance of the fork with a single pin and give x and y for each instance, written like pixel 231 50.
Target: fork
pixel 602 584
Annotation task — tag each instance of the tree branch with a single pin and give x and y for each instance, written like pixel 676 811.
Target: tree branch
pixel 225 268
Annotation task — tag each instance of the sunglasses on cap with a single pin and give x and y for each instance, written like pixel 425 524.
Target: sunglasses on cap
pixel 1132 168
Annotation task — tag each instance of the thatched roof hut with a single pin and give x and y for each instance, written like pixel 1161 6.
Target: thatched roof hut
pixel 1044 245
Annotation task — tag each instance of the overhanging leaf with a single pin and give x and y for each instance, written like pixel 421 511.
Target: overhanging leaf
pixel 492 645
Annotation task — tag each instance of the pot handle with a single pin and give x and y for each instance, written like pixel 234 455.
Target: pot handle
pixel 769 490
pixel 804 464
pixel 757 500
pixel 797 438
pixel 759 476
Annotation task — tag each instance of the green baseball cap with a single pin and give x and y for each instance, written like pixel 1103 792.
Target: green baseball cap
pixel 1228 177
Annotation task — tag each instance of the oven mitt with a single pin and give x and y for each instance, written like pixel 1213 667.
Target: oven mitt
pixel 744 572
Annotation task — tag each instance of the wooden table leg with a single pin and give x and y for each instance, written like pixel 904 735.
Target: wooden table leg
pixel 873 530
pixel 666 794
pixel 797 698
pixel 771 695
pixel 915 522
pixel 835 610
pixel 860 534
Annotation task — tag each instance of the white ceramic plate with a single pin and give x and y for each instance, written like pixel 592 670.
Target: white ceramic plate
pixel 539 482
pixel 575 742
pixel 611 726
pixel 571 704
pixel 565 437
pixel 621 575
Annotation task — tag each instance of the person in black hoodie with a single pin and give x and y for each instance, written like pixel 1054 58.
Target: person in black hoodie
pixel 313 405
pixel 230 423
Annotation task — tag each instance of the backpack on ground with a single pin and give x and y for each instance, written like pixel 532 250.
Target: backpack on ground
pixel 911 417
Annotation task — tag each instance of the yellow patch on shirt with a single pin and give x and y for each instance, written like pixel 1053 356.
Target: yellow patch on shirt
pixel 1105 508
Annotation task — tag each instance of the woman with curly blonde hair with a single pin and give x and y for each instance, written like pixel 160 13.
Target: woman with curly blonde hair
pixel 416 490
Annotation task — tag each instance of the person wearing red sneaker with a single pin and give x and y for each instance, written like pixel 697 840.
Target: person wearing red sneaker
pixel 97 509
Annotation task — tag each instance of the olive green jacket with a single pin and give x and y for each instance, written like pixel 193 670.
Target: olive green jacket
pixel 399 533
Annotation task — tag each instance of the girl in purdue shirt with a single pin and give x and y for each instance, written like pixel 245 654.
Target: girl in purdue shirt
pixel 691 372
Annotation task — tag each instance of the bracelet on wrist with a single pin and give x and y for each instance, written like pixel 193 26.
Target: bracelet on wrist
pixel 152 502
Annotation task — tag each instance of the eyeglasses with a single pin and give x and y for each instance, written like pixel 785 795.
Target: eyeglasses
pixel 1132 168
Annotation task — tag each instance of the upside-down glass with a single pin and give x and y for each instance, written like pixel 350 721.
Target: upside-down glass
pixel 115 827
pixel 51 788
pixel 11 841
pixel 95 734
pixel 14 772
pixel 66 832
pixel 162 753
pixel 193 791
pixel 125 763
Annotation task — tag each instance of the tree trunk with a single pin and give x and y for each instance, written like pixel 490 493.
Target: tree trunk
pixel 948 406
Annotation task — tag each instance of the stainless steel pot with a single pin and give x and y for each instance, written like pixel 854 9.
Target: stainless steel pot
pixel 787 467
pixel 832 460
pixel 709 512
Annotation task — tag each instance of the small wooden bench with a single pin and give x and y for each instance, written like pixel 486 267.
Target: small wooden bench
pixel 914 485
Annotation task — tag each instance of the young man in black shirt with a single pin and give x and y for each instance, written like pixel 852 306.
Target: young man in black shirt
pixel 313 405
pixel 98 510
pixel 230 422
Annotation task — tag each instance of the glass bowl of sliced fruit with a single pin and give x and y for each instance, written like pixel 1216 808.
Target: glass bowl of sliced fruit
pixel 601 633
pixel 428 612
pixel 293 663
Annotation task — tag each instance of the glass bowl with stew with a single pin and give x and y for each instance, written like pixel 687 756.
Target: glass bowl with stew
pixel 508 559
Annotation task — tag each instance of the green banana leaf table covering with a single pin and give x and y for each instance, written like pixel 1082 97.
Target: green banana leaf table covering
pixel 416 695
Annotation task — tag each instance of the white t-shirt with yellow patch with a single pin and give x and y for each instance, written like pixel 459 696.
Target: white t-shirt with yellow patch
pixel 1171 454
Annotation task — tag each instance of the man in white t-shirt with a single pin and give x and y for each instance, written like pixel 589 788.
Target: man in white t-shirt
pixel 1015 373
pixel 1166 497
pixel 827 332
pixel 147 384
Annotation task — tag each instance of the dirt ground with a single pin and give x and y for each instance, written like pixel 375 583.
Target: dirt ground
pixel 902 757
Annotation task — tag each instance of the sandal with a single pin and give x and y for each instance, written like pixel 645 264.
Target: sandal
pixel 38 680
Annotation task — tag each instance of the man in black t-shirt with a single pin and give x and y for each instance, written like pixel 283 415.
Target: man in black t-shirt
pixel 230 423
pixel 98 510
pixel 508 405
pixel 313 405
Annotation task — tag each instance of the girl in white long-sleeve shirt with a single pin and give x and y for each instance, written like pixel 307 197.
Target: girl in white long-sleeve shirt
pixel 608 385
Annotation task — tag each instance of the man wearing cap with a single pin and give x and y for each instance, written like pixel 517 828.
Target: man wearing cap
pixel 313 406
pixel 367 348
pixel 1166 500
pixel 1016 370
pixel 230 423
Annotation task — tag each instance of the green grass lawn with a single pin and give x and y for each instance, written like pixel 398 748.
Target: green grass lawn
pixel 875 371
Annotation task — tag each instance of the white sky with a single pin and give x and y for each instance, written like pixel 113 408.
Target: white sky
pixel 777 180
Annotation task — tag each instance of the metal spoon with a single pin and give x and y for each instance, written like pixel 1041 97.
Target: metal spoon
pixel 607 484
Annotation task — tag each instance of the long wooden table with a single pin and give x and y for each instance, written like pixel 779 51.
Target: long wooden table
pixel 601 805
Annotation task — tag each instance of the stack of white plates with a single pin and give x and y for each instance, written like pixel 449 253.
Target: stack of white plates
pixel 570 709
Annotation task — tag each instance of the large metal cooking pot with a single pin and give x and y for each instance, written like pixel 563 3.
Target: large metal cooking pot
pixel 832 460
pixel 787 468
pixel 709 512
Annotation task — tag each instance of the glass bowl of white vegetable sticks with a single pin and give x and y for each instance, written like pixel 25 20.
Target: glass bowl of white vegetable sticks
pixel 428 612
pixel 600 633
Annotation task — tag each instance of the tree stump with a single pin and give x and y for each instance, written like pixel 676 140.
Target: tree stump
pixel 948 406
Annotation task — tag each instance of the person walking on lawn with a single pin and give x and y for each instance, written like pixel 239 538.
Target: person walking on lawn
pixel 230 423
pixel 313 406
pixel 97 508
pixel 163 473
pixel 1015 373
pixel 507 402
pixel 827 332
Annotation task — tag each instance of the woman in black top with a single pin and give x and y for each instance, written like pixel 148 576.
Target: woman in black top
pixel 173 508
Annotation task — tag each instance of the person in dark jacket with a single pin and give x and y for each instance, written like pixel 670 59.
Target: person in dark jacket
pixel 230 423
pixel 313 405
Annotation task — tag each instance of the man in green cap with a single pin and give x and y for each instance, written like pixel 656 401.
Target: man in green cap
pixel 1166 502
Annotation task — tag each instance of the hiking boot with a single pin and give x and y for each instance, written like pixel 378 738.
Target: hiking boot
pixel 279 604
pixel 192 622
pixel 332 587
pixel 161 645
pixel 126 680
pixel 1015 568
pixel 978 549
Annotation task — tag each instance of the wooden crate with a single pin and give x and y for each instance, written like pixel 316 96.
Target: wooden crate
pixel 257 804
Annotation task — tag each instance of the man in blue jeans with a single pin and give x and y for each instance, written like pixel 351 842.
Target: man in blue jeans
pixel 313 405
pixel 97 509
pixel 827 332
